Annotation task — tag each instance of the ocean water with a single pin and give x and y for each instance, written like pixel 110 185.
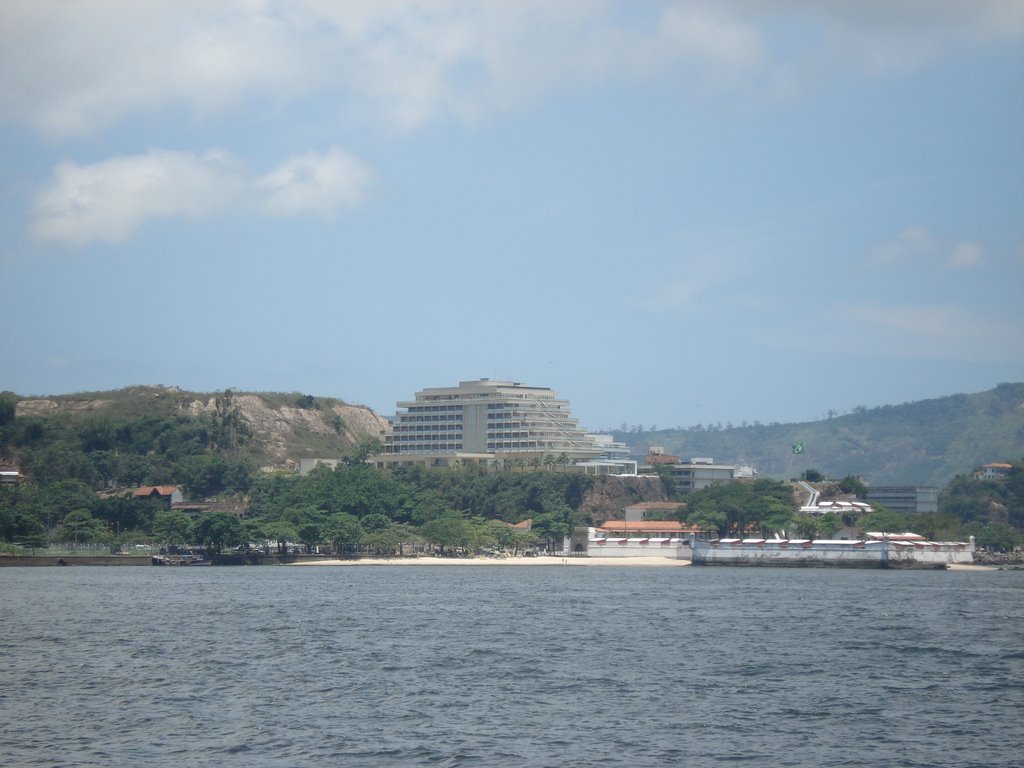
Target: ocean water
pixel 510 666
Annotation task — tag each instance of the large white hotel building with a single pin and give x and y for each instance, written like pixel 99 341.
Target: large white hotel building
pixel 485 422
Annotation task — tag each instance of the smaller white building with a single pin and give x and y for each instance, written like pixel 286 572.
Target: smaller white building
pixel 995 470
pixel 697 473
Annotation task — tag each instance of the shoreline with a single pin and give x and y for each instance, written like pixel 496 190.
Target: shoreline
pixel 656 562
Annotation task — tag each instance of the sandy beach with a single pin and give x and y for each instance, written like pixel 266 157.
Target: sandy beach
pixel 587 562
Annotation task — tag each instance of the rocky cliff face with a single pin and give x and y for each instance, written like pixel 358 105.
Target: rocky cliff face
pixel 609 496
pixel 288 433
pixel 283 428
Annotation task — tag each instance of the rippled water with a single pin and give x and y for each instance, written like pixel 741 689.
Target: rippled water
pixel 509 666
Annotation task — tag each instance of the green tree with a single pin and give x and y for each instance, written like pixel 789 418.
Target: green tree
pixel 667 480
pixel 310 533
pixel 375 522
pixel 552 527
pixel 217 530
pixel 22 511
pixel 449 532
pixel 997 537
pixel 884 520
pixel 364 447
pixel 817 526
pixel 936 526
pixel 524 540
pixel 33 535
pixel 391 539
pixel 63 496
pixel 707 517
pixel 854 485
pixel 343 530
pixel 8 405
pixel 828 524
pixel 282 532
pixel 172 528
pixel 504 535
pixel 778 518
pixel 483 534
pixel 80 527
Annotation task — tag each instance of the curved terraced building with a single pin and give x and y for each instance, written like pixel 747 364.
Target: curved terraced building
pixel 485 422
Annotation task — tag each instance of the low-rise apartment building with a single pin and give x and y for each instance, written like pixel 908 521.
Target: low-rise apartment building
pixel 906 499
pixel 697 473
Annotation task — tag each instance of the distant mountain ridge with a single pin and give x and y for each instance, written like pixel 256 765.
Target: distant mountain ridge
pixel 927 442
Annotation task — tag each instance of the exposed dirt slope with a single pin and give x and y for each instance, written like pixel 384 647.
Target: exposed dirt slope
pixel 285 427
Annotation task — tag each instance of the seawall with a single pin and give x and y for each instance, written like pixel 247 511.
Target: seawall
pixel 832 554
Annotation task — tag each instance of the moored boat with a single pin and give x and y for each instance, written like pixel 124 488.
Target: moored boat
pixel 181 558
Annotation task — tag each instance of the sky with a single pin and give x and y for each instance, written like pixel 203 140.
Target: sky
pixel 672 213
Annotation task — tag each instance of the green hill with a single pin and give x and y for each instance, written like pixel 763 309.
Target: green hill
pixel 926 442
pixel 156 435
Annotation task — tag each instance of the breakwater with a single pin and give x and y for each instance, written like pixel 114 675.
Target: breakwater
pixel 883 553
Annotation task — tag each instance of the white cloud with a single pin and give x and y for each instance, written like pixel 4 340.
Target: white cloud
pixel 728 46
pixel 316 183
pixel 966 255
pixel 109 200
pixel 938 331
pixel 74 69
pixel 917 246
pixel 700 279
pixel 907 246
pixel 884 36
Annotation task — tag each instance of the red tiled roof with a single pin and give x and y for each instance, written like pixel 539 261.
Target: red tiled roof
pixel 647 526
pixel 524 525
pixel 159 490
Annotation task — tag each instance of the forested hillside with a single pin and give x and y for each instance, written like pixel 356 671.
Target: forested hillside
pixel 155 435
pixel 81 457
pixel 923 443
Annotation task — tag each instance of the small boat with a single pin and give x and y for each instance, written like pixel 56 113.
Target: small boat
pixel 183 557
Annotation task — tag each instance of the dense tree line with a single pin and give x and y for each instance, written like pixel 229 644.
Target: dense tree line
pixel 738 508
pixel 355 504
pixel 73 462
pixel 991 511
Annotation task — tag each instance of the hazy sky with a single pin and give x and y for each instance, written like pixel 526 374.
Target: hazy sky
pixel 670 212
